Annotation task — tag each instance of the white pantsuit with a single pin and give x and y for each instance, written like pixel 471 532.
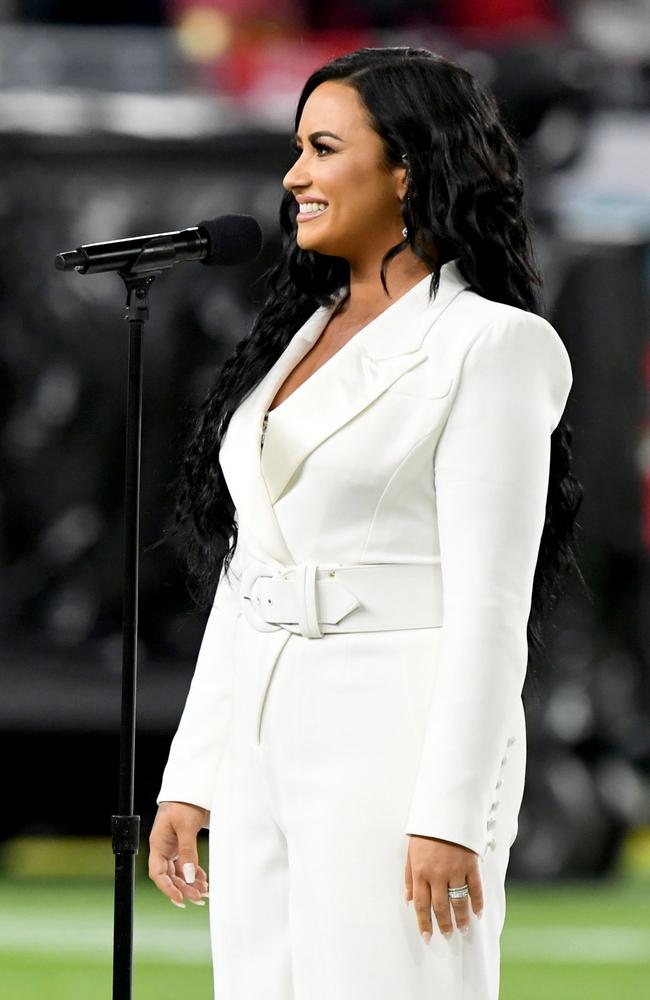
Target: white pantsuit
pixel 318 741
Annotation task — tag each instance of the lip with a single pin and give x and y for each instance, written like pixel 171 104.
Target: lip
pixel 303 199
pixel 307 216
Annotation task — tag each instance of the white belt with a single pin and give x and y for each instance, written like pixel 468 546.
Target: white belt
pixel 312 599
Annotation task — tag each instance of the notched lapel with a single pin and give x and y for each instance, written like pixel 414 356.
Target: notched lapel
pixel 239 456
pixel 348 383
pixel 353 378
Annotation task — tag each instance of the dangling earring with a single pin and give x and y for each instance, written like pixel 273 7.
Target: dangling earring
pixel 405 231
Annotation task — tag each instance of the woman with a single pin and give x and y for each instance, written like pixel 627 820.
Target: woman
pixel 384 444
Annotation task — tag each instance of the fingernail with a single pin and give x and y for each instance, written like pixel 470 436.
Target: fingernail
pixel 181 906
pixel 197 902
pixel 479 914
pixel 463 930
pixel 427 936
pixel 447 934
pixel 406 899
pixel 189 872
pixel 206 895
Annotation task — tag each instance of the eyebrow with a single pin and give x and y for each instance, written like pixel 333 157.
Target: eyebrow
pixel 317 135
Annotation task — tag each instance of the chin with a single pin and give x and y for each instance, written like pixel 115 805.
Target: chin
pixel 307 244
pixel 314 241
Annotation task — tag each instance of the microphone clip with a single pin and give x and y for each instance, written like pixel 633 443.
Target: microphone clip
pixel 137 294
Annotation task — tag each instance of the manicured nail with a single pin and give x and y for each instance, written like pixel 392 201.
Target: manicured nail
pixel 447 934
pixel 206 895
pixel 464 930
pixel 197 902
pixel 426 936
pixel 181 906
pixel 479 914
pixel 189 873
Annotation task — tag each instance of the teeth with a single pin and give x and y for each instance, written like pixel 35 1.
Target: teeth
pixel 312 206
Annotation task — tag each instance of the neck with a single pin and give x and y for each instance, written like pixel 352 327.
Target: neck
pixel 365 291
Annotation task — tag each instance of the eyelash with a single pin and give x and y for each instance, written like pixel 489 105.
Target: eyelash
pixel 316 145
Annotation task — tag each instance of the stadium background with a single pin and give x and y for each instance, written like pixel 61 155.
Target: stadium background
pixel 147 117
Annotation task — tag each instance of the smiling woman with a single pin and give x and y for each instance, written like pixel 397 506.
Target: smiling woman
pixel 349 179
pixel 413 509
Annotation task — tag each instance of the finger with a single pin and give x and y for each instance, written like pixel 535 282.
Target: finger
pixel 422 906
pixel 441 907
pixel 476 890
pixel 192 891
pixel 188 856
pixel 178 880
pixel 189 892
pixel 408 881
pixel 160 876
pixel 460 909
pixel 201 881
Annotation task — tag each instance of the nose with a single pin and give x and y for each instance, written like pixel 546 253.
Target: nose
pixel 295 176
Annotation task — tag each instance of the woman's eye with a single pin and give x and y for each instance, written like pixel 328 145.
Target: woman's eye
pixel 317 146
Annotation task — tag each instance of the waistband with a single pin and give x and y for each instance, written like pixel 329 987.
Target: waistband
pixel 313 599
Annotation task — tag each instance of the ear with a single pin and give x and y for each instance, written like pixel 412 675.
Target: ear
pixel 401 177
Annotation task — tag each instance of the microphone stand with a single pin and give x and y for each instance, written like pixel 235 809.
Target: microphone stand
pixel 208 242
pixel 125 826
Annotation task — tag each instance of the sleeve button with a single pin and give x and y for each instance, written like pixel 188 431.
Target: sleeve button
pixel 511 740
pixel 491 823
pixel 499 783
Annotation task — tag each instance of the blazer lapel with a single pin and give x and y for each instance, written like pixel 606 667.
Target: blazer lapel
pixel 377 355
pixel 374 358
pixel 240 448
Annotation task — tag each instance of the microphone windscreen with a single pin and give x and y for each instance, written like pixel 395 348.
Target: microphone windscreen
pixel 233 239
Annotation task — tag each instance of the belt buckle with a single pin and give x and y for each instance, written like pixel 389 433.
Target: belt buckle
pixel 304 591
pixel 248 578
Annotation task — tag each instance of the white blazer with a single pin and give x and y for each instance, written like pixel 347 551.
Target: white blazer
pixel 425 437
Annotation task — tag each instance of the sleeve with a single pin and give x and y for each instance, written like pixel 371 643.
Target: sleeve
pixel 491 473
pixel 202 734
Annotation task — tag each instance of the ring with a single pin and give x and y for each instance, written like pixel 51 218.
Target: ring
pixel 460 892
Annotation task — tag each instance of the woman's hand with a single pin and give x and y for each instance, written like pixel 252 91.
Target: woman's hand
pixel 432 867
pixel 173 855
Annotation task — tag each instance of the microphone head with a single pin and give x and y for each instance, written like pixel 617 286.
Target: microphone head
pixel 232 239
pixel 70 259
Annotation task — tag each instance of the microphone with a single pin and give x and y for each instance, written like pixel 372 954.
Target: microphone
pixel 229 239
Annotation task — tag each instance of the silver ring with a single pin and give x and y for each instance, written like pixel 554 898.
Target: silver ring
pixel 460 892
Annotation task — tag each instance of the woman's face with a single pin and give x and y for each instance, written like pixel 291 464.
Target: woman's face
pixel 363 215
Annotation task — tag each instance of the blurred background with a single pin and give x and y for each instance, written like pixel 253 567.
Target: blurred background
pixel 119 119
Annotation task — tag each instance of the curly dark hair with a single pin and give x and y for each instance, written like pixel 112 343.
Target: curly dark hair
pixel 465 198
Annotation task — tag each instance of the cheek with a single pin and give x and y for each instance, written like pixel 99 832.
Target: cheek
pixel 371 206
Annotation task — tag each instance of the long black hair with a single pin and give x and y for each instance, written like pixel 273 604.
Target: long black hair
pixel 465 197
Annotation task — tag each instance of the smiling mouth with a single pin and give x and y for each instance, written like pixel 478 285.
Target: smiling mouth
pixel 306 216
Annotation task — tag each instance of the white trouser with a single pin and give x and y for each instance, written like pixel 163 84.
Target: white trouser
pixel 307 849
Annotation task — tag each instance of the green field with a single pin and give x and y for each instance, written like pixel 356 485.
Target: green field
pixel 575 942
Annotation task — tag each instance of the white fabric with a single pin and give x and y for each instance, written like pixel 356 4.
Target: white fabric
pixel 369 598
pixel 426 437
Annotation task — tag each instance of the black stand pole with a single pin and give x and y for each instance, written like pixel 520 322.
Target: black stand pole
pixel 126 826
pixel 157 254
